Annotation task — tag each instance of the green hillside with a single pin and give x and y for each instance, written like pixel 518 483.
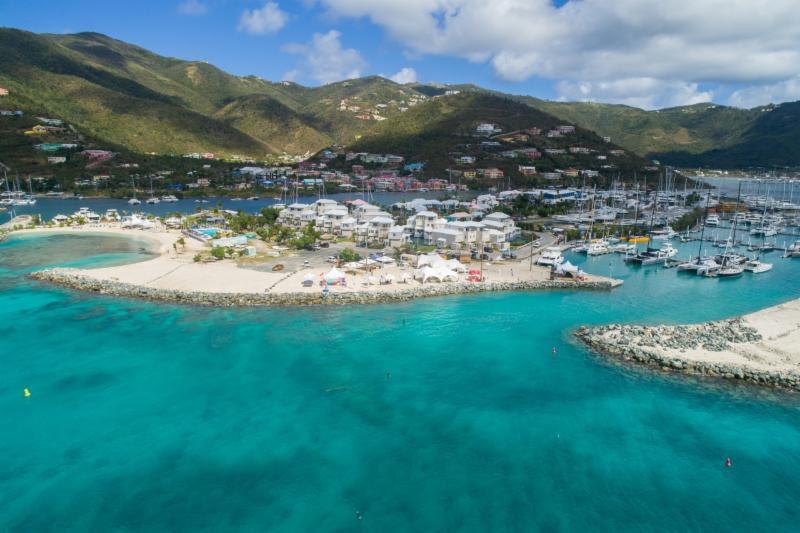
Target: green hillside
pixel 772 140
pixel 125 96
pixel 442 128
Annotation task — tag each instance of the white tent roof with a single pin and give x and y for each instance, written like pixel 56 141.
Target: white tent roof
pixel 334 274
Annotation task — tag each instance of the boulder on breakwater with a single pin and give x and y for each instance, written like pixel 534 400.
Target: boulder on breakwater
pixel 663 347
pixel 74 280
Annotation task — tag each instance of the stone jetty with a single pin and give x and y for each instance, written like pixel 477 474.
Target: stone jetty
pixel 733 349
pixel 74 280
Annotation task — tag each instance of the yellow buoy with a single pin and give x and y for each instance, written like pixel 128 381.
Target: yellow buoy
pixel 26 393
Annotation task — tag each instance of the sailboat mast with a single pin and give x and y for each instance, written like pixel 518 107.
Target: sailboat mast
pixel 703 229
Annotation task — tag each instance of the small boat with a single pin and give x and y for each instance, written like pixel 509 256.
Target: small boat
pixel 169 198
pixel 153 200
pixel 653 256
pixel 253 198
pixel 712 220
pixel 757 267
pixel 730 271
pixel 134 201
pixel 666 233
pixel 551 256
pixel 597 248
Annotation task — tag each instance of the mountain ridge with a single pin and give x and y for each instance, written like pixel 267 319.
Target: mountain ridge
pixel 127 95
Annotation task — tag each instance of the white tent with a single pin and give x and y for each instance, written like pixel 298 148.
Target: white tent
pixel 436 261
pixel 435 274
pixel 568 269
pixel 334 276
pixel 308 280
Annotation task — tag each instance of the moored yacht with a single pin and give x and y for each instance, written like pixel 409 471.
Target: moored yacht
pixel 653 256
pixel 666 233
pixel 712 220
pixel 757 267
pixel 169 198
pixel 599 247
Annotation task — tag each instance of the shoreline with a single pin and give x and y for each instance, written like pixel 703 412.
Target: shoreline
pixel 759 348
pixel 173 276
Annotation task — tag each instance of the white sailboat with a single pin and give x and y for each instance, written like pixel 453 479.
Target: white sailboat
pixel 134 200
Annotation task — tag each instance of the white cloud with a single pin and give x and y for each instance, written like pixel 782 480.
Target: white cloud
pixel 646 93
pixel 267 19
pixel 405 75
pixel 325 60
pixel 683 42
pixel 192 7
pixel 755 96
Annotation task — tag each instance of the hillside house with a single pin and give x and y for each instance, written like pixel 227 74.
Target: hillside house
pixel 491 173
pixel 3 91
pixel 486 128
pixel 526 170
pixel 465 160
pixel 50 121
pixel 578 150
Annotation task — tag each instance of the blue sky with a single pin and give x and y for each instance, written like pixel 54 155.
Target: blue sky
pixel 639 52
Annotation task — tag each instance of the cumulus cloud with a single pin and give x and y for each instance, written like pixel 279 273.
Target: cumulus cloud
pixel 755 96
pixel 646 93
pixel 325 60
pixel 405 75
pixel 192 7
pixel 267 19
pixel 600 41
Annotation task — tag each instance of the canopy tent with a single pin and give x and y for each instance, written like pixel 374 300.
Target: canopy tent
pixel 428 273
pixel 334 277
pixel 437 262
pixel 568 269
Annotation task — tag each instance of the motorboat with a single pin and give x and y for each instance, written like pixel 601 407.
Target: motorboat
pixel 653 256
pixel 551 256
pixel 757 267
pixel 581 248
pixel 662 234
pixel 153 200
pixel 730 271
pixel 622 248
pixel 712 220
pixel 134 201
pixel 169 198
pixel 764 231
pixel 598 248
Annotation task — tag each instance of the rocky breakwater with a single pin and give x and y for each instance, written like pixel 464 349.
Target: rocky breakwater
pixel 720 349
pixel 74 280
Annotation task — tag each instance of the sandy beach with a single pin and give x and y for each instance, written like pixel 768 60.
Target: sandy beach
pixel 762 347
pixel 176 270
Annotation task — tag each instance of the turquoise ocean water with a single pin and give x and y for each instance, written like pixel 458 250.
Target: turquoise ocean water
pixel 149 417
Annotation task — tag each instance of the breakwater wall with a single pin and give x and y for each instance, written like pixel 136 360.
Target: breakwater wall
pixel 661 347
pixel 73 280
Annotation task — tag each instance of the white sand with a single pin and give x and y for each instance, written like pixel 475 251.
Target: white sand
pixel 180 272
pixel 779 349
